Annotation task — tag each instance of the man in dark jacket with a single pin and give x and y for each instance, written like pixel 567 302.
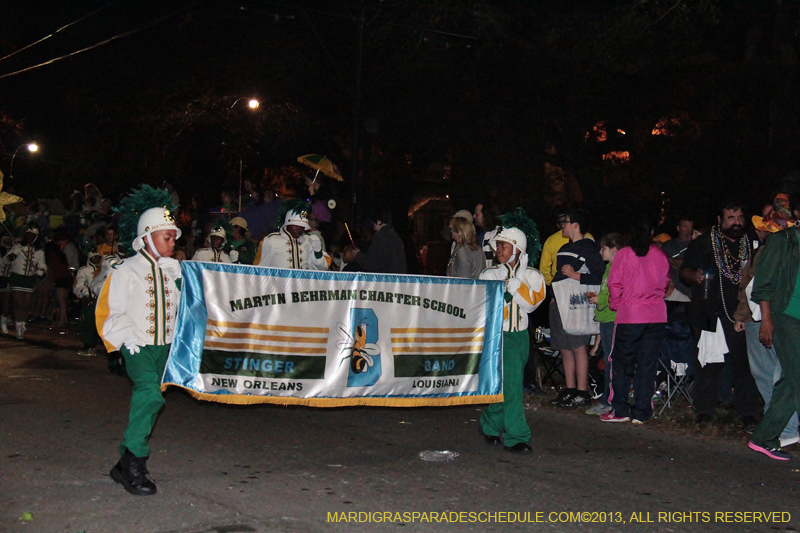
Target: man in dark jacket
pixel 778 295
pixel 712 267
pixel 386 254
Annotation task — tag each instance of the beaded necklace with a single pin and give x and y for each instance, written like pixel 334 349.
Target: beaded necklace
pixel 727 265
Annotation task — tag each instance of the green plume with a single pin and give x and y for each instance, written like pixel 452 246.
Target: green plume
pixel 519 219
pixel 131 208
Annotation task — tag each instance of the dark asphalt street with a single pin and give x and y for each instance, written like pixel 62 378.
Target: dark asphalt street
pixel 258 468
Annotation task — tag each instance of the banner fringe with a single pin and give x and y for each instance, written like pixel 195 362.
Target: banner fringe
pixel 242 399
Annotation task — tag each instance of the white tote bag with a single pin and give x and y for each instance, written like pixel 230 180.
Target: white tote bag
pixel 755 309
pixel 577 314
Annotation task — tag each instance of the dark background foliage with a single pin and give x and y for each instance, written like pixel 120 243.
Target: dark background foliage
pixel 455 97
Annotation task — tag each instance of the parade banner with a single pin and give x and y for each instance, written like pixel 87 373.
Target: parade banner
pixel 249 334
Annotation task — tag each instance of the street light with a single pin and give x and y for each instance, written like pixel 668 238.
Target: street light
pixel 32 147
pixel 253 104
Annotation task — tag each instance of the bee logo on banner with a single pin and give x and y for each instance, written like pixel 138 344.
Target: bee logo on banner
pixel 359 345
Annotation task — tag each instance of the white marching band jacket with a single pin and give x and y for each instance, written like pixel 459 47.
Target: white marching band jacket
pixel 211 255
pixel 526 299
pixel 82 287
pixel 139 301
pixel 281 250
pixel 29 260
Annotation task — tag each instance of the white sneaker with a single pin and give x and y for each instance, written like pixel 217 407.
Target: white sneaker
pixel 20 330
pixel 88 352
pixel 4 324
pixel 790 441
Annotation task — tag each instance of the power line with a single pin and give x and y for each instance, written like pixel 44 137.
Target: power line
pixel 101 43
pixel 57 31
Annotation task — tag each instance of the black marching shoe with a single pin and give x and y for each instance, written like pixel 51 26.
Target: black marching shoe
pixel 520 447
pixel 132 472
pixel 491 440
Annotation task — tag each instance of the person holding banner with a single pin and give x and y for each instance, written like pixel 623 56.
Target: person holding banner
pixel 136 314
pixel 290 247
pixel 525 291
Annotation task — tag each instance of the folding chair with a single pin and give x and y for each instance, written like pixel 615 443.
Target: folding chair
pixel 676 352
pixel 550 358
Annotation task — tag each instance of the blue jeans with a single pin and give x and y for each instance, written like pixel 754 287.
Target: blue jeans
pixel 606 343
pixel 635 358
pixel 766 370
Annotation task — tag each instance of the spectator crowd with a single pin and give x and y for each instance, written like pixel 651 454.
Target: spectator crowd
pixel 612 307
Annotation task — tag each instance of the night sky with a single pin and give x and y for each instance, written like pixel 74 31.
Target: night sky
pixel 478 88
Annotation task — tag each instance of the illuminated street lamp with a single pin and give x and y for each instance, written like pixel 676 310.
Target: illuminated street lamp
pixel 32 147
pixel 253 104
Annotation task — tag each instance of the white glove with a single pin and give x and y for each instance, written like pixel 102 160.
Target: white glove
pixel 135 342
pixel 234 255
pixel 523 264
pixel 316 244
pixel 170 266
pixel 513 285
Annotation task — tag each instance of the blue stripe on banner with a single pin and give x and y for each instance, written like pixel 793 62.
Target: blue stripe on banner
pixel 190 331
pixel 491 368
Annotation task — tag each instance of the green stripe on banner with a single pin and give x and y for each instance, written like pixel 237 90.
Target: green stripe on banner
pixel 262 365
pixel 459 364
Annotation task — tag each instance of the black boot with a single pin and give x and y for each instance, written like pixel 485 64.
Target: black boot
pixel 132 472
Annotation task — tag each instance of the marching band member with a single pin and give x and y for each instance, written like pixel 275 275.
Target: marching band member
pixel 136 314
pixel 27 263
pixel 290 247
pixel 525 291
pixel 214 253
pixel 82 288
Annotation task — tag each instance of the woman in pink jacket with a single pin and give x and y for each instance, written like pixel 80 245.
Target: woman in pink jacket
pixel 637 283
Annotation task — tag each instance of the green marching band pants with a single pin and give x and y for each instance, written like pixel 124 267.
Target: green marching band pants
pixel 786 394
pixel 508 418
pixel 145 369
